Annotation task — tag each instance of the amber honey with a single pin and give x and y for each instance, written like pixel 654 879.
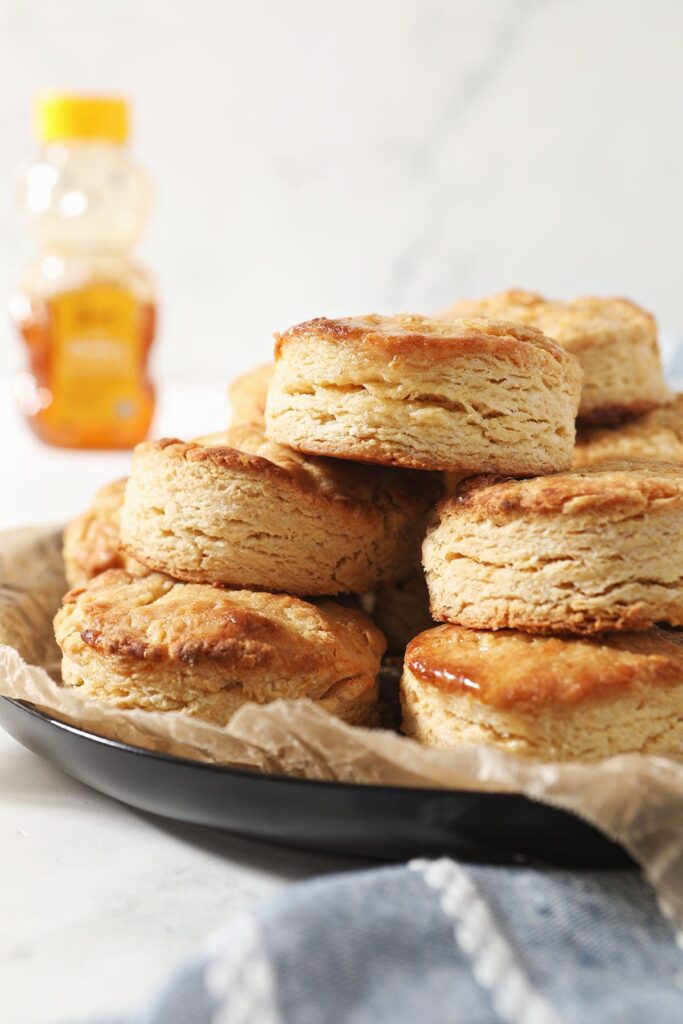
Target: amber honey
pixel 88 384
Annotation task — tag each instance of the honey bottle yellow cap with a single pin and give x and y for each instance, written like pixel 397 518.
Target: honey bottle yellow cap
pixel 60 117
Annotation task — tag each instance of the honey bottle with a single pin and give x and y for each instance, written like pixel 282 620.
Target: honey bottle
pixel 85 309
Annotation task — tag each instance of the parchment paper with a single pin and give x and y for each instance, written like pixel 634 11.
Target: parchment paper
pixel 636 800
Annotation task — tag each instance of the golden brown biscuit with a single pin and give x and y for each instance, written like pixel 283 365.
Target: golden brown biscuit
pixel 655 436
pixel 91 541
pixel 551 698
pixel 402 611
pixel 466 396
pixel 251 513
pixel 156 644
pixel 614 340
pixel 594 549
pixel 247 396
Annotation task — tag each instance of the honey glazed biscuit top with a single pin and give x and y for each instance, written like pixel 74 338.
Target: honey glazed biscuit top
pixel 549 698
pixel 459 396
pixel 510 669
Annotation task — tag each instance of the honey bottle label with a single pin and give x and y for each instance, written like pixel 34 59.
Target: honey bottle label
pixel 96 358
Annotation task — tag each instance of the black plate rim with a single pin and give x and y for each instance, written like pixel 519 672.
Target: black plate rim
pixel 243 773
pixel 39 731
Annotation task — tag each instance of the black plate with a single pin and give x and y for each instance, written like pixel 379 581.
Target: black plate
pixel 385 822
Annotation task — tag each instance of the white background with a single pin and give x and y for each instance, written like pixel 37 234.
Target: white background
pixel 344 156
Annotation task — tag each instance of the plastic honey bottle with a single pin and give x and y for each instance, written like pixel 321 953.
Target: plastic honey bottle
pixel 84 307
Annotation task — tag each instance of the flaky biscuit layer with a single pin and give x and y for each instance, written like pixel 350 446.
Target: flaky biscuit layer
pixel 466 396
pixel 581 552
pixel 249 512
pixel 656 436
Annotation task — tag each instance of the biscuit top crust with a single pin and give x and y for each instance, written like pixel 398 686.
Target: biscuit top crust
pixel 440 338
pixel 507 669
pixel 654 435
pixel 245 448
pixel 584 322
pixel 158 619
pixel 515 304
pixel 618 487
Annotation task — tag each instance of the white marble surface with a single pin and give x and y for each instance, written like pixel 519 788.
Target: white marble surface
pixel 357 155
pixel 97 900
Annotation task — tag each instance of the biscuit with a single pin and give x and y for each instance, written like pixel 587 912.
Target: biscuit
pixel 579 552
pixel 250 513
pixel 159 645
pixel 247 396
pixel 614 340
pixel 550 698
pixel 91 540
pixel 655 436
pixel 466 396
pixel 402 611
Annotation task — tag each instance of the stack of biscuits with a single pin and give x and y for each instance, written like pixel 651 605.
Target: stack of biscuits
pixel 276 558
pixel 626 409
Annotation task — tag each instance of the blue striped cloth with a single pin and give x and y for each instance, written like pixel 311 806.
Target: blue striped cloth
pixel 435 942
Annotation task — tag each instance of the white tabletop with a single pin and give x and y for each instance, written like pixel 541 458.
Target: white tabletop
pixel 98 900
